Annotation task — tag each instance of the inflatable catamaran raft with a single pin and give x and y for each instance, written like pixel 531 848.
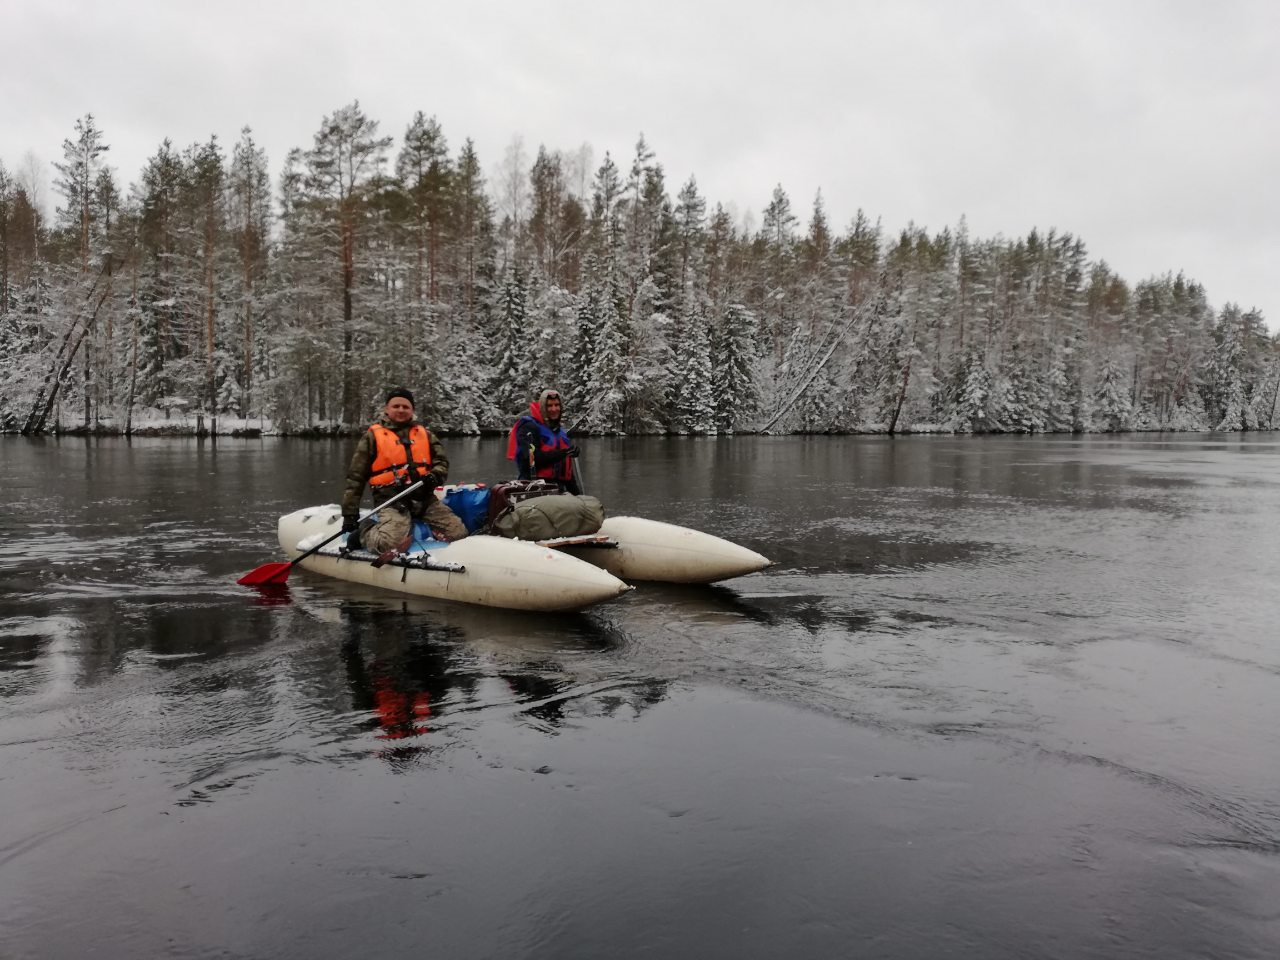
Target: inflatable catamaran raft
pixel 564 573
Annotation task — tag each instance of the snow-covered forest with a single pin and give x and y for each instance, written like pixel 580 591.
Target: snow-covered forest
pixel 206 287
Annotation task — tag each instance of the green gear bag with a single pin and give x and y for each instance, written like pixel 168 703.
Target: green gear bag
pixel 556 515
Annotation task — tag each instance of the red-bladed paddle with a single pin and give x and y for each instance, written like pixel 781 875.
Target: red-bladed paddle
pixel 273 574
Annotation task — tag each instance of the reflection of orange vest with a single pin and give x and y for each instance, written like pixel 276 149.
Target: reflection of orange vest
pixel 395 458
pixel 401 714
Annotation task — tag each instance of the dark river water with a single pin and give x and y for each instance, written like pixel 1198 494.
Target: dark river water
pixel 999 697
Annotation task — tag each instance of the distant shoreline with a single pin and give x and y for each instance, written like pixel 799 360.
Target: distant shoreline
pixel 187 430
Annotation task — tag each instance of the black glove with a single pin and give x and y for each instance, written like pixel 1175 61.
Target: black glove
pixel 351 527
pixel 574 451
pixel 425 492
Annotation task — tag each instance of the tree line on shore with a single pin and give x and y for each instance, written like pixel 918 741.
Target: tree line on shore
pixel 373 260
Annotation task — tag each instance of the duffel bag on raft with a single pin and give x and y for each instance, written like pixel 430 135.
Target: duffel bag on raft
pixel 550 516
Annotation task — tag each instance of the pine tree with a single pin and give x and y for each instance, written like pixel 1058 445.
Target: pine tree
pixel 115 229
pixel 690 231
pixel 343 167
pixel 607 228
pixel 860 249
pixel 546 229
pixel 205 200
pixel 721 244
pixel 249 231
pixel 471 216
pixel 426 173
pixel 6 243
pixel 78 174
pixel 779 254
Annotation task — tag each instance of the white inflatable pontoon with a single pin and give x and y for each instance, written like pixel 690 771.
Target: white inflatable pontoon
pixel 653 550
pixel 486 570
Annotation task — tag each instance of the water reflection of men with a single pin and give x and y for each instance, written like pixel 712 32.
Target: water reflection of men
pixel 404 669
pixel 402 684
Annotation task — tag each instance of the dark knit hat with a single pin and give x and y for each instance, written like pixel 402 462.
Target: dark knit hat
pixel 400 392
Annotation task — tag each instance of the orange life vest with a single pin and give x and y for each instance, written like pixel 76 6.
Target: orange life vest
pixel 397 460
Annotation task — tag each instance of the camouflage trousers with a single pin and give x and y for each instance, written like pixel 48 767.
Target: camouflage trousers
pixel 392 527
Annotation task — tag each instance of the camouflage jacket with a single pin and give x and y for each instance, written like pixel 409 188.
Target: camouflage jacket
pixel 362 460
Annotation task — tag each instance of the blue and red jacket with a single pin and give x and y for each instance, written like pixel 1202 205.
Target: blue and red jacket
pixel 532 429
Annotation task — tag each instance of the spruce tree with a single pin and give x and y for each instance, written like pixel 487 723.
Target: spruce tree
pixel 735 392
pixel 512 373
pixel 972 409
pixel 1113 406
pixel 695 410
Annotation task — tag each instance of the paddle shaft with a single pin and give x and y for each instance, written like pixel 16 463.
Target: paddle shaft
pixel 386 503
pixel 279 572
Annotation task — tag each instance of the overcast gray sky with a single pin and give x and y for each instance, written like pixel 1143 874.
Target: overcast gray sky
pixel 1148 128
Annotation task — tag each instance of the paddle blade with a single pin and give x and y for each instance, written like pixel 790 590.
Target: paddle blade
pixel 268 573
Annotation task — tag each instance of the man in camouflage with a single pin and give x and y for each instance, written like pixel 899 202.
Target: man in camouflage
pixel 390 455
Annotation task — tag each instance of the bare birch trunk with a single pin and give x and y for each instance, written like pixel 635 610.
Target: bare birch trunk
pixel 348 281
pixel 902 396
pixel 876 311
pixel 133 360
pixel 247 396
pixel 71 342
pixel 209 314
